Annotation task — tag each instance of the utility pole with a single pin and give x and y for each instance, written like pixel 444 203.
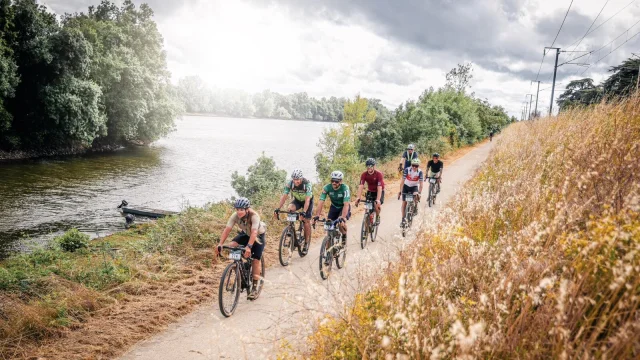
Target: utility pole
pixel 537 94
pixel 526 104
pixel 555 71
pixel 530 100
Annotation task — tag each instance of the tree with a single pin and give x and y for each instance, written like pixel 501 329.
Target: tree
pixel 263 180
pixel 623 82
pixel 459 77
pixel 580 93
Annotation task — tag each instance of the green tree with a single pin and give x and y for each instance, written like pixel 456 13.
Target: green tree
pixel 459 77
pixel 624 80
pixel 263 180
pixel 580 93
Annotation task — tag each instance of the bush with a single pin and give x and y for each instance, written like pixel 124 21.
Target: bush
pixel 72 240
pixel 262 181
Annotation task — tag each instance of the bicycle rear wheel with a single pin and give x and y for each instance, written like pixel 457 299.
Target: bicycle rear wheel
pixel 302 240
pixel 262 277
pixel 342 254
pixel 326 258
pixel 364 233
pixel 287 240
pixel 229 291
pixel 430 194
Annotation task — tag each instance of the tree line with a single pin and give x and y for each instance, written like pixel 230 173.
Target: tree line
pixel 84 80
pixel 199 98
pixel 622 83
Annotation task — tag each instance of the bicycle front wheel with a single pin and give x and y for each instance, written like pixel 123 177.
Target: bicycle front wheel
pixel 364 233
pixel 326 258
pixel 430 194
pixel 229 291
pixel 373 232
pixel 287 240
pixel 341 256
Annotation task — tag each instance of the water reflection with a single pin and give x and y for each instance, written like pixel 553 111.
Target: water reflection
pixel 41 198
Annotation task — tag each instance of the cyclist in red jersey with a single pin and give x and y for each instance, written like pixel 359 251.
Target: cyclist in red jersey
pixel 375 186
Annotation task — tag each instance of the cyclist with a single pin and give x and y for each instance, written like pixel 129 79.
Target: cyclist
pixel 340 208
pixel 435 168
pixel 491 136
pixel 412 182
pixel 301 191
pixel 407 156
pixel 252 235
pixel 375 186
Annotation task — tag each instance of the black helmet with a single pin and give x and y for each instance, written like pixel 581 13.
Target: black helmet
pixel 370 162
pixel 436 155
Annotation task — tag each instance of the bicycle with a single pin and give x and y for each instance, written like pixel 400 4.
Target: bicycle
pixel 236 278
pixel 409 213
pixel 331 248
pixel 434 188
pixel 291 238
pixel 369 228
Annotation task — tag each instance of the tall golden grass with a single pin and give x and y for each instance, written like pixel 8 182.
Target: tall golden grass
pixel 538 256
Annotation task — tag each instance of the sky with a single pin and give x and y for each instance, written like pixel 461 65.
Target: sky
pixel 391 50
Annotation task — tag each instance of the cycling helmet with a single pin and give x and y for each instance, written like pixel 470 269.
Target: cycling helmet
pixel 242 203
pixel 410 147
pixel 296 174
pixel 371 162
pixel 436 155
pixel 337 175
pixel 415 162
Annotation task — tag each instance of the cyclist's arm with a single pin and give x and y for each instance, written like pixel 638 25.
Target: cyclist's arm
pixel 253 236
pixel 360 187
pixel 404 176
pixel 421 181
pixel 345 209
pixel 379 194
pixel 307 203
pixel 225 234
pixel 320 206
pixel 255 226
pixel 283 198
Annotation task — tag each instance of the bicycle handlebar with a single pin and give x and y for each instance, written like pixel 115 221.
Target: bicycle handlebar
pixel 333 222
pixel 277 212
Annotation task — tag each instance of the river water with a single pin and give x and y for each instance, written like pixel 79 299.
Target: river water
pixel 192 166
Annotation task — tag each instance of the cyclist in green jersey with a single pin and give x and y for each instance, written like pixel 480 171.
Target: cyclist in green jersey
pixel 340 198
pixel 301 191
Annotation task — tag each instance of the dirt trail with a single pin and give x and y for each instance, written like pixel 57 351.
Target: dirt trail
pixel 295 296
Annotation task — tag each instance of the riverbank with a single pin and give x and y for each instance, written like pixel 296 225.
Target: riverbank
pixel 35 154
pixel 253 117
pixel 123 288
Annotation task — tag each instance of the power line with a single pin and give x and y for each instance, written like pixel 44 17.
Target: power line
pixel 604 22
pixel 604 46
pixel 590 26
pixel 609 53
pixel 561 25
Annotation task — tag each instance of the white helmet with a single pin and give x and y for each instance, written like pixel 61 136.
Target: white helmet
pixel 410 147
pixel 337 175
pixel 297 174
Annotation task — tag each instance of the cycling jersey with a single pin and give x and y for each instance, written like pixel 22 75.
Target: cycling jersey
pixel 407 161
pixel 337 197
pixel 301 192
pixel 248 223
pixel 412 177
pixel 373 180
pixel 435 167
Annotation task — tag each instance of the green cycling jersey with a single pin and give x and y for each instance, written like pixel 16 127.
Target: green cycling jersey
pixel 301 192
pixel 337 197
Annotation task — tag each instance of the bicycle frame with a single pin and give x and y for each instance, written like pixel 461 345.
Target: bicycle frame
pixel 245 273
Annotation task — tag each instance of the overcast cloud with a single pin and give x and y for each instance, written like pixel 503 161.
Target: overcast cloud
pixel 391 50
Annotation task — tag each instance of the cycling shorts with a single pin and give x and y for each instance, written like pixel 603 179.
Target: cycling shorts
pixel 300 205
pixel 258 246
pixel 409 190
pixel 373 195
pixel 335 213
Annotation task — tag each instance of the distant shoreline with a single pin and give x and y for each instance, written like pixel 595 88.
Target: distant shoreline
pixel 251 117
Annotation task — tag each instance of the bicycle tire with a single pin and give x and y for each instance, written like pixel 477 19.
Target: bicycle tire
pixel 304 239
pixel 430 194
pixel 342 256
pixel 229 272
pixel 364 232
pixel 409 214
pixel 325 266
pixel 374 229
pixel 284 246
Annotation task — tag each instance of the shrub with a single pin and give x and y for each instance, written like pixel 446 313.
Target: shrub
pixel 72 240
pixel 263 180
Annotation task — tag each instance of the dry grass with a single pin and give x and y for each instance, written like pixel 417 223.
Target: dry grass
pixel 538 256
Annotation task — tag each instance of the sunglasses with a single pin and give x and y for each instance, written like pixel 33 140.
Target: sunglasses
pixel 415 166
pixel 334 181
pixel 370 166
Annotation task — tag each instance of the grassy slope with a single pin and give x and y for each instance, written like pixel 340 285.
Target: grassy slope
pixel 538 256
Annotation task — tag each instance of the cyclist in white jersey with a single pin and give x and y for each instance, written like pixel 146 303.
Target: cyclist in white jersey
pixel 412 182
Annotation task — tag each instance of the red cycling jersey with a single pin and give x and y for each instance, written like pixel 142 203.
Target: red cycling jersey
pixel 373 180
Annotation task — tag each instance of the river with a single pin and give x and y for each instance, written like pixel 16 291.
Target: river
pixel 192 166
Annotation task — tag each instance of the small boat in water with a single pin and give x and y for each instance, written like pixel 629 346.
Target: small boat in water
pixel 142 211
